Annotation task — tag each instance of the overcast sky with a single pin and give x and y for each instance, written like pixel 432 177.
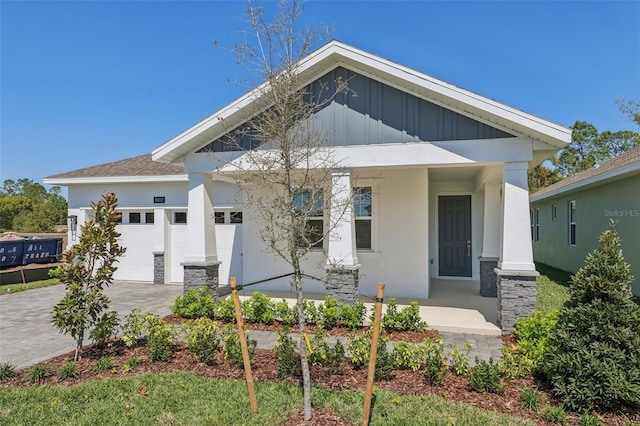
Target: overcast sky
pixel 84 82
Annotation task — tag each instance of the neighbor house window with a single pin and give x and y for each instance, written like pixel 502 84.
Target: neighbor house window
pixel 554 212
pixel 149 217
pixel 531 222
pixel 537 225
pixel 363 213
pixel 180 217
pixel 310 205
pixel 572 222
pixel 134 217
pixel 218 217
pixel 235 217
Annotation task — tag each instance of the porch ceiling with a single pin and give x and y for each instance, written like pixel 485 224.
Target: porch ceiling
pixel 454 174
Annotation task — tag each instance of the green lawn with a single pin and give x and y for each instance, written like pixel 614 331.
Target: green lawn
pixel 553 287
pixel 180 398
pixel 14 288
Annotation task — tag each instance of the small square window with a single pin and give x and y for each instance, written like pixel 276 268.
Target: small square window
pixel 149 217
pixel 180 217
pixel 134 217
pixel 218 217
pixel 235 217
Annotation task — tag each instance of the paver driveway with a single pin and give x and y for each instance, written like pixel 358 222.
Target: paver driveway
pixel 26 333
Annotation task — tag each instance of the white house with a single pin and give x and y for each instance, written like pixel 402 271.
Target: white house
pixel 444 171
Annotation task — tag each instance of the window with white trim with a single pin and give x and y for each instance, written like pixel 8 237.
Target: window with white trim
pixel 134 217
pixel 149 217
pixel 572 222
pixel 554 212
pixel 363 212
pixel 179 217
pixel 531 222
pixel 536 217
pixel 310 205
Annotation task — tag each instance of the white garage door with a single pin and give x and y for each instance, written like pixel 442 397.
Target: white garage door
pixel 137 262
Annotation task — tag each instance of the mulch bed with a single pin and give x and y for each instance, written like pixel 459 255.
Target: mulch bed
pixel 404 382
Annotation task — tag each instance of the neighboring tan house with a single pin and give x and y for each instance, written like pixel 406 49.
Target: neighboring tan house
pixel 444 171
pixel 568 217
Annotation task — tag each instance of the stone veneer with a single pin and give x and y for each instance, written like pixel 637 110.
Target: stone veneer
pixel 201 274
pixel 342 284
pixel 516 296
pixel 488 277
pixel 158 267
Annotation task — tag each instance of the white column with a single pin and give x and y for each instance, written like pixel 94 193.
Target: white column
pixel 516 253
pixel 342 235
pixel 160 224
pixel 200 224
pixel 491 233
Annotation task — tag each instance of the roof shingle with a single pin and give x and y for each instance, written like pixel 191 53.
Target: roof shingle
pixel 141 165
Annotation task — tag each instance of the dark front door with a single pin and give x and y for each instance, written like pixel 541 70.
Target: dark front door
pixel 454 235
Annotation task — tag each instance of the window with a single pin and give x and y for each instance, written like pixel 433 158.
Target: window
pixel 554 212
pixel 531 222
pixel 572 222
pixel 537 225
pixel 235 217
pixel 218 217
pixel 363 213
pixel 180 217
pixel 148 217
pixel 309 204
pixel 134 217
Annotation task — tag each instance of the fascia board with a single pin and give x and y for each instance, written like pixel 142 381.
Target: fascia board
pixel 619 172
pixel 115 179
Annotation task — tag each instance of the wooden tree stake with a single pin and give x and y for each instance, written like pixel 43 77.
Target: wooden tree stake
pixel 243 346
pixel 372 357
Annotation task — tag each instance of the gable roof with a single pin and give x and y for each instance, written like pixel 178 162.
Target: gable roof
pixel 140 168
pixel 614 167
pixel 335 54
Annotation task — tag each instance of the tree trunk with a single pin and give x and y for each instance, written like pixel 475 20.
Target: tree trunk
pixel 304 360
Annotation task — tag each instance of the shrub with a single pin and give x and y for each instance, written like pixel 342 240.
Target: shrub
pixel 69 371
pixel 39 372
pixel 530 398
pixel 232 351
pixel 137 324
pixel 287 362
pixel 224 310
pixel 7 370
pixel 532 334
pixel 104 364
pixel 408 319
pixel 105 328
pixel 160 343
pixel 322 354
pixel 352 316
pixel 194 304
pixel 589 420
pixel 485 377
pixel 132 363
pixel 554 415
pixel 434 371
pixel 592 356
pixel 360 350
pixel 287 315
pixel 514 363
pixel 460 359
pixel 329 313
pixel 311 313
pixel 203 340
pixel 409 356
pixel 259 309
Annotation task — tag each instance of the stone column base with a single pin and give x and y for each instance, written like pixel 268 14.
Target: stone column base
pixel 342 284
pixel 488 277
pixel 158 267
pixel 516 296
pixel 201 274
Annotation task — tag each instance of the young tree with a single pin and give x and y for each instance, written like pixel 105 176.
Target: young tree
pixel 286 166
pixel 88 268
pixel 592 357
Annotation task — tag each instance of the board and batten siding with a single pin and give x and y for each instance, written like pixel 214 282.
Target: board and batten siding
pixel 371 112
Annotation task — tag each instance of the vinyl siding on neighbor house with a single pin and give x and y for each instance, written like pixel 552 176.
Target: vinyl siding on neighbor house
pixel 595 207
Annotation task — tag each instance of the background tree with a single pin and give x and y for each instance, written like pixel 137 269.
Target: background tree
pixel 542 176
pixel 592 356
pixel 26 206
pixel 286 165
pixel 88 268
pixel 630 108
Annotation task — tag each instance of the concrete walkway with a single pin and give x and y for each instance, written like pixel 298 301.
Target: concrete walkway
pixel 27 336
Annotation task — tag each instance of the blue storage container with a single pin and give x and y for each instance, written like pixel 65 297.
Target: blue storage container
pixel 11 253
pixel 30 250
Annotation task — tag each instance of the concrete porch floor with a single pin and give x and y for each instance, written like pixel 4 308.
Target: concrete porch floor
pixel 453 306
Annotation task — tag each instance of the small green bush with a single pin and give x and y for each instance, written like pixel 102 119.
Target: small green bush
pixel 39 372
pixel 486 377
pixel 554 415
pixel 7 370
pixel 69 371
pixel 514 363
pixel 232 351
pixel 160 343
pixel 259 309
pixel 460 360
pixel 530 398
pixel 352 316
pixel 287 362
pixel 360 350
pixel 287 315
pixel 532 334
pixel 408 319
pixel 311 312
pixel 329 313
pixel 133 362
pixel 224 310
pixel 194 304
pixel 409 356
pixel 136 325
pixel 322 354
pixel 203 340
pixel 434 370
pixel 589 420
pixel 105 363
